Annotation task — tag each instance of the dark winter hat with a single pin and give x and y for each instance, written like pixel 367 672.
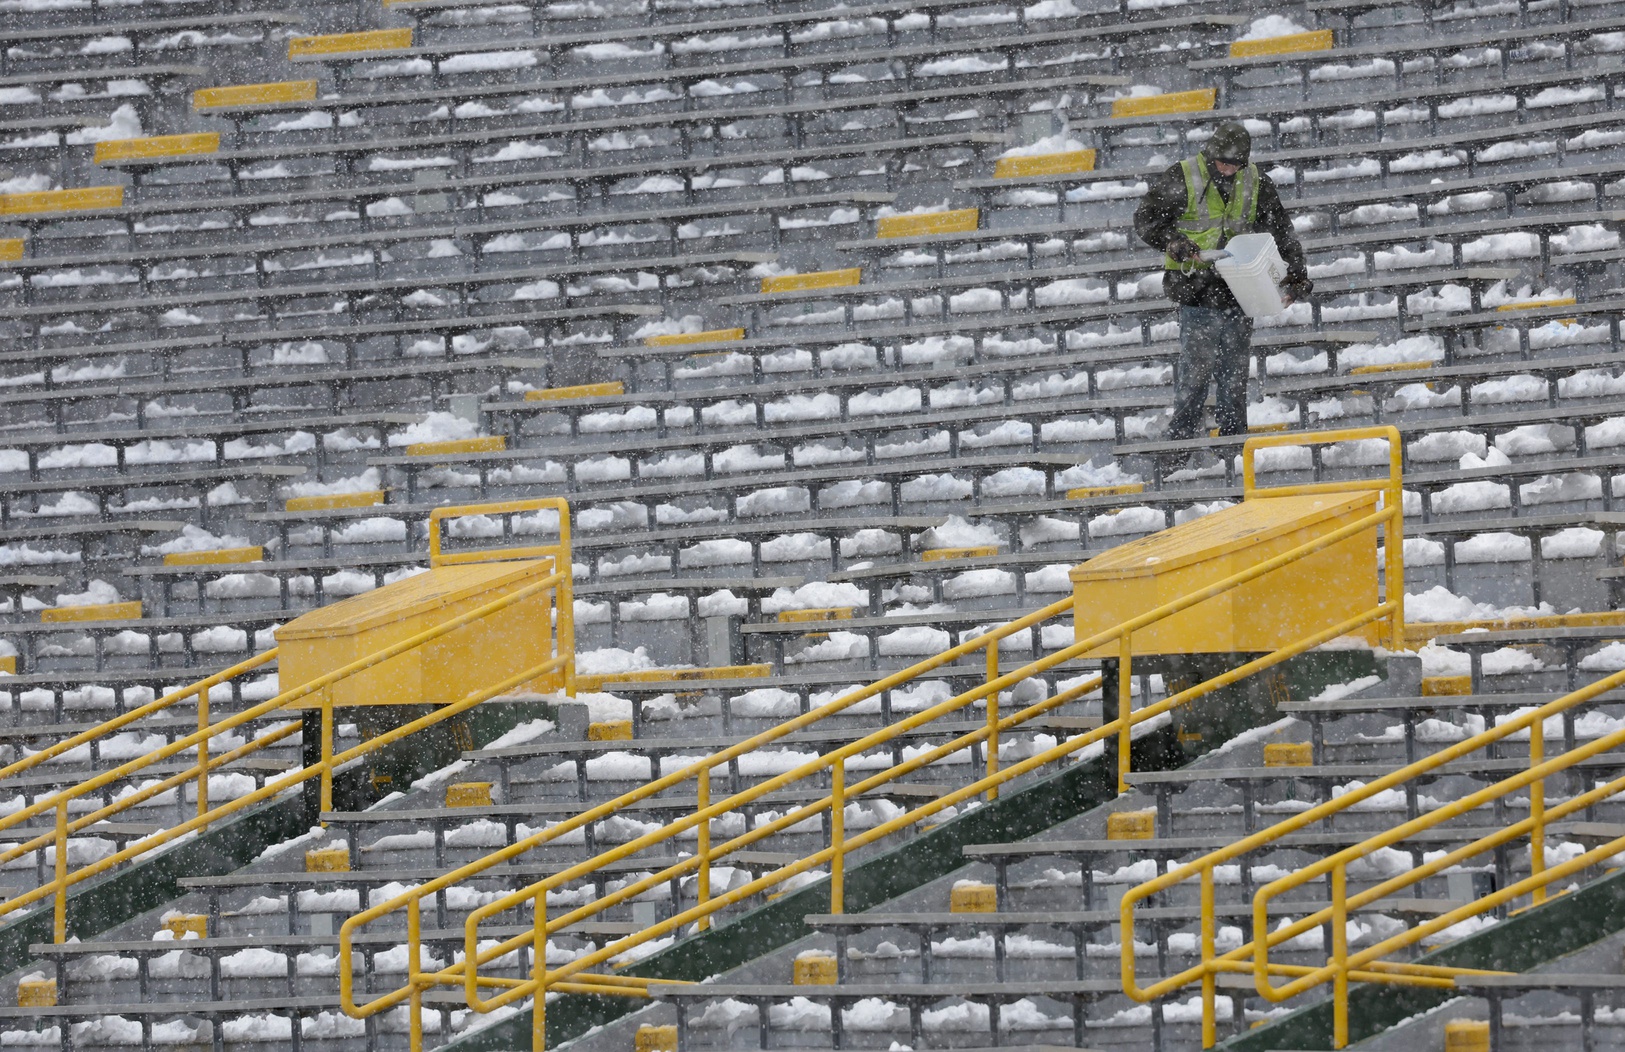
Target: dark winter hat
pixel 1230 143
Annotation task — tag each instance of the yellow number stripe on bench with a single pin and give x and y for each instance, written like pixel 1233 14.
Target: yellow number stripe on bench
pixel 482 444
pixel 1172 102
pixel 957 221
pixel 8 663
pixel 364 499
pixel 1314 40
pixel 1045 164
pixel 673 339
pixel 350 43
pixel 103 612
pixel 1083 492
pixel 938 554
pixel 819 279
pixel 77 200
pixel 830 613
pixel 1554 301
pixel 1390 367
pixel 559 394
pixel 254 94
pixel 252 554
pixel 11 249
pixel 157 146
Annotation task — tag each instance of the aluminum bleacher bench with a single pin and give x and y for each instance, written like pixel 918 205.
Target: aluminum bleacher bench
pixel 159 72
pixel 101 544
pixel 778 634
pixel 1571 641
pixel 1569 33
pixel 870 430
pixel 26 497
pixel 1522 320
pixel 60 684
pixel 13 587
pixel 1351 10
pixel 134 31
pixel 1009 46
pixel 357 296
pixel 219 433
pixel 471 237
pixel 28 636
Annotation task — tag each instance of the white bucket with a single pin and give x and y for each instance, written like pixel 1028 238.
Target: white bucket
pixel 1254 271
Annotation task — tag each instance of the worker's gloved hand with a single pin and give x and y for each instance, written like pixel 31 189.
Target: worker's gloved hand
pixel 1184 249
pixel 1297 291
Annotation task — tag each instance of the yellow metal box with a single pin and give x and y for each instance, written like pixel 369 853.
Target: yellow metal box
pixel 1282 606
pixel 442 670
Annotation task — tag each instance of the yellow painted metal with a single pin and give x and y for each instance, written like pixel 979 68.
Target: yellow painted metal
pixel 36 993
pixel 1291 43
pixel 702 800
pixel 560 394
pixel 655 1039
pixel 350 43
pixel 822 279
pixel 1446 686
pixel 100 612
pixel 1554 301
pixel 1467 1035
pixel 1045 164
pixel 327 860
pixel 813 971
pixel 236 95
pixel 188 145
pixel 931 555
pixel 252 554
pixel 1131 825
pixel 837 836
pixel 828 613
pixel 1390 367
pixel 1142 574
pixel 332 636
pixel 480 444
pixel 11 249
pixel 677 339
pixel 1288 754
pixel 973 898
pixel 8 663
pixel 1085 492
pixel 328 501
pixel 44 202
pixel 957 221
pixel 183 924
pixel 1171 102
pixel 480 951
pixel 610 731
pixel 468 794
pixel 1254 429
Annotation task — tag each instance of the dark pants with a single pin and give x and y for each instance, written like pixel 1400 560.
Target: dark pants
pixel 1214 346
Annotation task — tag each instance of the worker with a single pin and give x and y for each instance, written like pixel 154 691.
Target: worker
pixel 1199 204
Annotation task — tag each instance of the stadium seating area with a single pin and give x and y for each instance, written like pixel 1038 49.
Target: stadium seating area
pixel 830 324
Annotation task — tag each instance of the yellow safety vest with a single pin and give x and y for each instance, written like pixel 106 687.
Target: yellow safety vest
pixel 1209 220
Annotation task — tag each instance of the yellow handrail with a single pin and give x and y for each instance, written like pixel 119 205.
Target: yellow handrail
pixel 466 972
pixel 558 582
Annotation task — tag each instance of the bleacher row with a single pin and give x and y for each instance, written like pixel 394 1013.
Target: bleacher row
pixel 832 327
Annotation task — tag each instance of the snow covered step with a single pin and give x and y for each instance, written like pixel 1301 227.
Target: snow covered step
pixel 148 638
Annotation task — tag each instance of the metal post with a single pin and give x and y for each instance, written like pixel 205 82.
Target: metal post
pixel 1537 804
pixel 992 766
pixel 414 935
pixel 1210 978
pixel 1125 707
pixel 61 917
pixel 203 754
pixel 538 973
pixel 1340 956
pixel 702 800
pixel 837 837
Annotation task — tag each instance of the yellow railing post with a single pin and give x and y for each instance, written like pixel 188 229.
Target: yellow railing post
pixel 1210 978
pixel 60 918
pixel 1125 710
pixel 837 837
pixel 991 768
pixel 327 751
pixel 1537 806
pixel 202 752
pixel 538 973
pixel 702 800
pixel 1340 956
pixel 414 937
